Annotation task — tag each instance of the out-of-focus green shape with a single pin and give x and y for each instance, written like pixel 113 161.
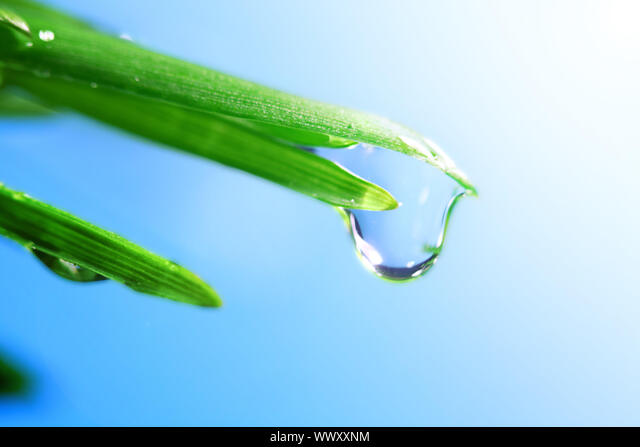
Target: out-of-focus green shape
pixel 12 380
pixel 60 235
pixel 13 104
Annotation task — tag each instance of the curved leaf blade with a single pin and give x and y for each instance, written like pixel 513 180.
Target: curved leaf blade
pixel 93 58
pixel 59 234
pixel 216 138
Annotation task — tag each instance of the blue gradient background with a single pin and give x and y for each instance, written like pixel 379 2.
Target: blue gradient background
pixel 530 317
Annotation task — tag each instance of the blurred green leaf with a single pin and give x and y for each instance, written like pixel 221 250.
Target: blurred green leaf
pixel 13 104
pixel 12 380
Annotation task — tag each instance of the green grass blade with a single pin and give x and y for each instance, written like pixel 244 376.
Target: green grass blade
pixel 215 138
pixel 62 50
pixel 59 234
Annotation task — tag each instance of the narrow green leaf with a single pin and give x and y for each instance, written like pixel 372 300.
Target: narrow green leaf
pixel 66 51
pixel 216 138
pixel 58 234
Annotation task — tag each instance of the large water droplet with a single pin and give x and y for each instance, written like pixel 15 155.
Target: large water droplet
pixel 66 269
pixel 404 243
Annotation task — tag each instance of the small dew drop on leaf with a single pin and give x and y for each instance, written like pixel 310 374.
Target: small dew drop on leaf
pixel 46 35
pixel 66 269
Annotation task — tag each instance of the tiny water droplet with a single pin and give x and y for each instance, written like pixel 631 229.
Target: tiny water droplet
pixel 46 35
pixel 66 269
pixel 404 243
pixel 93 85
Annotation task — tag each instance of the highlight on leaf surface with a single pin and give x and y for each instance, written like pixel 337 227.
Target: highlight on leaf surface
pixel 14 21
pixel 80 251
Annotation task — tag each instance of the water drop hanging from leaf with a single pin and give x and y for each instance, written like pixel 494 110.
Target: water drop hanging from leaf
pixel 66 269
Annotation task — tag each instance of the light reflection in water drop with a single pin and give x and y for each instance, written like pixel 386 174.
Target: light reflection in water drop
pixel 66 269
pixel 400 244
pixel 46 35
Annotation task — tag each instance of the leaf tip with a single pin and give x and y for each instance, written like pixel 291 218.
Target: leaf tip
pixel 206 296
pixel 384 200
pixel 213 300
pixel 391 204
pixel 376 199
